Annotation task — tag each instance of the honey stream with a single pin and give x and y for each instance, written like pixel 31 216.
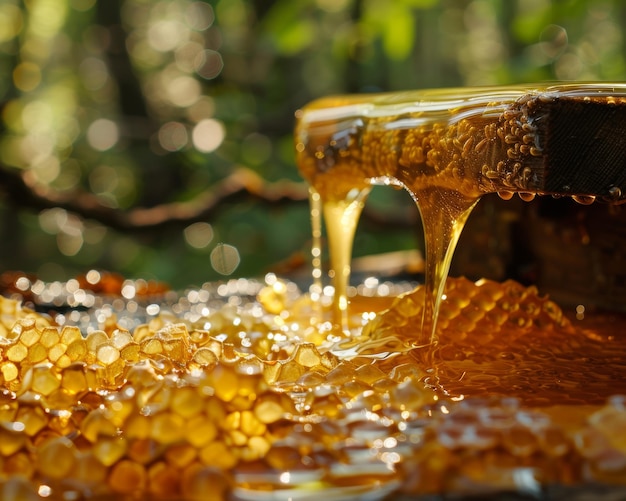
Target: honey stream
pixel 256 391
pixel 447 148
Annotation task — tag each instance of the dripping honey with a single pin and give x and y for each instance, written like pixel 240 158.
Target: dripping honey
pixel 292 393
pixel 447 148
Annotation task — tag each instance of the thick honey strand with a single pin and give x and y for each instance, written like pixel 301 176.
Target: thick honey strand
pixel 447 148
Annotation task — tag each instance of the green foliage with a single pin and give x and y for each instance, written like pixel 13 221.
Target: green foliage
pixel 143 103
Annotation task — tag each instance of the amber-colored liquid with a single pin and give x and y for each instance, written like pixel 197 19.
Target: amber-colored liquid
pixel 487 340
pixel 447 148
pixel 257 391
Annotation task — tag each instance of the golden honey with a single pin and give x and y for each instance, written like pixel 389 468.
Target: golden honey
pixel 449 147
pixel 247 401
pixel 248 390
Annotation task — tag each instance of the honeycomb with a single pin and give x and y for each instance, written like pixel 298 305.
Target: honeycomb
pixel 241 399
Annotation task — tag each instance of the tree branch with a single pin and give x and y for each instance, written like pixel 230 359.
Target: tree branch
pixel 242 185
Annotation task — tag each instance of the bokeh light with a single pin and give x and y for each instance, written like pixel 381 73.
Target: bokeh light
pixel 11 21
pixel 209 64
pixel 173 136
pixel 208 134
pixel 159 101
pixel 199 235
pixel 225 259
pixel 103 134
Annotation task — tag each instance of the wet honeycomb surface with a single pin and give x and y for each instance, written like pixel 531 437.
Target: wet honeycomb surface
pixel 244 390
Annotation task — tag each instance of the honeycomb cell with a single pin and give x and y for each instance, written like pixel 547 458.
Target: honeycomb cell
pixel 225 382
pixel 50 337
pixel 32 418
pixel 109 450
pixel 73 378
pixel 369 374
pixel 56 352
pixel 205 483
pixel 186 402
pixel 289 371
pixel 18 465
pixel 107 354
pixel 151 346
pixel 127 477
pixel 30 336
pixel 200 430
pixel 311 379
pixel 44 379
pixel 37 353
pixel 142 332
pixel 98 424
pixel 144 450
pixel 89 471
pixel 251 425
pixel 353 389
pixel 180 455
pixel 163 481
pixel 142 374
pixel 167 428
pixel 205 357
pixel 255 449
pixel 77 350
pixel 218 455
pixel 56 458
pixel 269 409
pixel 17 353
pixel 177 350
pixel 130 352
pixel 306 355
pixel 121 338
pixel 69 334
pixel 12 438
pixel 9 371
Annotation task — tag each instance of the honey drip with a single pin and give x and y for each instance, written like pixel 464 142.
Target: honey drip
pixel 341 218
pixel 246 390
pixel 447 148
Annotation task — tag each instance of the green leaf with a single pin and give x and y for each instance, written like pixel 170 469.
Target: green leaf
pixel 289 28
pixel 398 31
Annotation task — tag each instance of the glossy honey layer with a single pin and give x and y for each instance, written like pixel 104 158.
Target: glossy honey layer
pixel 468 140
pixel 253 400
pixel 448 148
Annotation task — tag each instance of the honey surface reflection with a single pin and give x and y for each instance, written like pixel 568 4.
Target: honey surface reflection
pixel 500 349
pixel 254 390
pixel 231 390
pixel 503 340
pixel 448 148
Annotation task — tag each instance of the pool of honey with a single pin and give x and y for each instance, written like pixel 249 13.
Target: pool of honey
pixel 230 391
pixel 248 390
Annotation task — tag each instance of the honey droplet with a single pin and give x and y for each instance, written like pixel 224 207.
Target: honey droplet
pixel 584 199
pixel 526 196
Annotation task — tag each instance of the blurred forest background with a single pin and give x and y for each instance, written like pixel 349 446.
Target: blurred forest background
pixel 154 138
